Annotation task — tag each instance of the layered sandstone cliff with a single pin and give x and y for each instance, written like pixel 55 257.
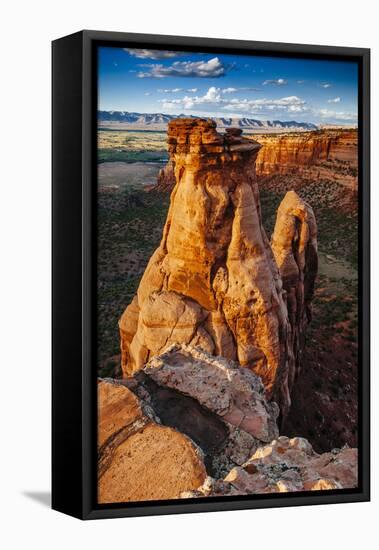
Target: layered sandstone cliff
pixel 322 154
pixel 283 153
pixel 214 281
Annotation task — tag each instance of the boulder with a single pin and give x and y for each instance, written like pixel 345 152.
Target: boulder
pixel 139 459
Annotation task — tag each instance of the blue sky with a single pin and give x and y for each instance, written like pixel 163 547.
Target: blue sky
pixel 208 84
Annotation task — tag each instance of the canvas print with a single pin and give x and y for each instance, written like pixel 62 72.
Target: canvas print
pixel 227 275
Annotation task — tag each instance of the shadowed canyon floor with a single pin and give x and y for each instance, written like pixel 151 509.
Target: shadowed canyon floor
pixel 130 222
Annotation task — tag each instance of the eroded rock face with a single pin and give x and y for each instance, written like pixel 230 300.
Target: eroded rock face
pixel 290 465
pixel 321 154
pixel 213 281
pixel 219 405
pixel 294 245
pixel 190 424
pixel 221 386
pixel 185 416
pixel 166 177
pixel 285 465
pixel 140 459
pixel 294 152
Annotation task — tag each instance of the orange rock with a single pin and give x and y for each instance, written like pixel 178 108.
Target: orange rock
pixel 329 154
pixel 213 281
pixel 290 465
pixel 153 464
pixel 138 458
pixel 117 408
pixel 294 245
pixel 292 152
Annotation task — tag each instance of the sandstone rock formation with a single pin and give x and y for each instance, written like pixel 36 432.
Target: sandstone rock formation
pixel 138 458
pixel 328 154
pixel 220 405
pixel 290 465
pixel 285 466
pixel 190 424
pixel 166 177
pixel 294 245
pixel 213 282
pixel 292 152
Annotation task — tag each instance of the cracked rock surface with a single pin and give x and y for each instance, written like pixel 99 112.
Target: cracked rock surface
pixel 190 424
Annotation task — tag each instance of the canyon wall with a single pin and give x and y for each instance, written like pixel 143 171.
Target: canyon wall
pixel 322 154
pixel 214 281
pixel 282 153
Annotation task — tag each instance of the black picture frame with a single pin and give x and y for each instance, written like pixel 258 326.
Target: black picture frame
pixel 74 90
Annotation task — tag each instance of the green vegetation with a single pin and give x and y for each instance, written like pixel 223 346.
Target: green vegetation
pixel 130 225
pixel 116 155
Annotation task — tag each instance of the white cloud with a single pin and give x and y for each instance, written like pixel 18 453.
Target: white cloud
pixel 276 82
pixel 213 68
pixel 326 85
pixel 299 81
pixel 290 104
pixel 176 90
pixel 334 100
pixel 337 115
pixel 147 93
pixel 152 54
pixel 212 96
pixel 214 99
pixel 233 90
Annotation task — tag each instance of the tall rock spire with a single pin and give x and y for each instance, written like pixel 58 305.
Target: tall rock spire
pixel 213 282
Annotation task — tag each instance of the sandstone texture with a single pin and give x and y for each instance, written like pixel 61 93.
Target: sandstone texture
pixel 214 282
pixel 285 466
pixel 219 405
pixel 166 177
pixel 294 245
pixel 190 424
pixel 139 459
pixel 234 394
pixel 320 154
pixel 290 465
pixel 283 153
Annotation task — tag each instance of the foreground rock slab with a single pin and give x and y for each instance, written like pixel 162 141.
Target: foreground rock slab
pixel 190 424
pixel 233 393
pixel 139 459
pixel 219 405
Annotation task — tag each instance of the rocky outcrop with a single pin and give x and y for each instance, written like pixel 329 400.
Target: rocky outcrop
pixel 290 465
pixel 190 424
pixel 213 282
pixel 294 245
pixel 293 152
pixel 319 155
pixel 139 459
pixel 219 405
pixel 166 177
pixel 285 466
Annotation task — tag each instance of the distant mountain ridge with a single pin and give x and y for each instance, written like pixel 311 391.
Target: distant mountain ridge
pixel 159 120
